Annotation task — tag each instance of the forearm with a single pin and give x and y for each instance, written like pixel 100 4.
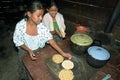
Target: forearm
pixel 58 32
pixel 55 46
pixel 25 48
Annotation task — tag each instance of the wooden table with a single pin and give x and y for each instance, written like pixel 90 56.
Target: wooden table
pixel 38 69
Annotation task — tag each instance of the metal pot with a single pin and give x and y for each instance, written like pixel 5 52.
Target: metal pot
pixel 80 43
pixel 97 56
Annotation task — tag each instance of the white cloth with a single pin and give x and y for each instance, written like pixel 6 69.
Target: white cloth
pixel 48 22
pixel 20 36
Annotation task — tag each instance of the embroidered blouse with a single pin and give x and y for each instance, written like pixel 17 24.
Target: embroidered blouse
pixel 20 36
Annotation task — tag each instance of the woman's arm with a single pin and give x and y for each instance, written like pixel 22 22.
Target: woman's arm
pixel 58 33
pixel 55 46
pixel 19 41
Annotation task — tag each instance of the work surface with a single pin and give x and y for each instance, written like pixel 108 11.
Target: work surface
pixel 41 70
pixel 38 69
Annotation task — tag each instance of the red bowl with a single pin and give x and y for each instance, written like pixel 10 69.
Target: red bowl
pixel 81 29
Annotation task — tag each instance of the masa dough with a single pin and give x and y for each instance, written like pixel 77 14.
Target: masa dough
pixel 57 58
pixel 66 74
pixel 67 64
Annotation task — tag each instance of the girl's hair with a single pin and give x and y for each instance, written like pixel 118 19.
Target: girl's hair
pixel 32 6
pixel 51 3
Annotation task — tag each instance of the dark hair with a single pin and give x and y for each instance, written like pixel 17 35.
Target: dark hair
pixel 51 3
pixel 32 6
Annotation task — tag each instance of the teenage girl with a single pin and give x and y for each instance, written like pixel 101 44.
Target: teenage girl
pixel 54 21
pixel 30 34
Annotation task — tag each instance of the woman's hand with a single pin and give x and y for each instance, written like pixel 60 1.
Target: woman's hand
pixel 58 33
pixel 32 55
pixel 30 52
pixel 67 55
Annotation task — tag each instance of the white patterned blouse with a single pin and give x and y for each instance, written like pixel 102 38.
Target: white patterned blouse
pixel 33 42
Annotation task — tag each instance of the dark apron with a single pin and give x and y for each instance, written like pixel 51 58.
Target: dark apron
pixel 21 68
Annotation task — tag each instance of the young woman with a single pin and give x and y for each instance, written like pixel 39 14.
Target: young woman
pixel 30 34
pixel 54 21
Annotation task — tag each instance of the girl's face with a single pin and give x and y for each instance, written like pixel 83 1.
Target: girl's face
pixel 53 11
pixel 36 16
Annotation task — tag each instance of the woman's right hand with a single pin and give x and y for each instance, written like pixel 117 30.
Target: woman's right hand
pixel 58 33
pixel 32 55
pixel 30 52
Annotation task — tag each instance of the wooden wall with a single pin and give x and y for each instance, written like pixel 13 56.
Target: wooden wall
pixel 92 13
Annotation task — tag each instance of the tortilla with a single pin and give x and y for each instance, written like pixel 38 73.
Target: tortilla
pixel 57 58
pixel 62 32
pixel 67 64
pixel 66 74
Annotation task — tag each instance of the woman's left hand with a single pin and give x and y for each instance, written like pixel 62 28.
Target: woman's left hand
pixel 68 55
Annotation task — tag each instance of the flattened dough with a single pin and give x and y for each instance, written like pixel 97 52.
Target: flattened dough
pixel 66 74
pixel 67 64
pixel 57 58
